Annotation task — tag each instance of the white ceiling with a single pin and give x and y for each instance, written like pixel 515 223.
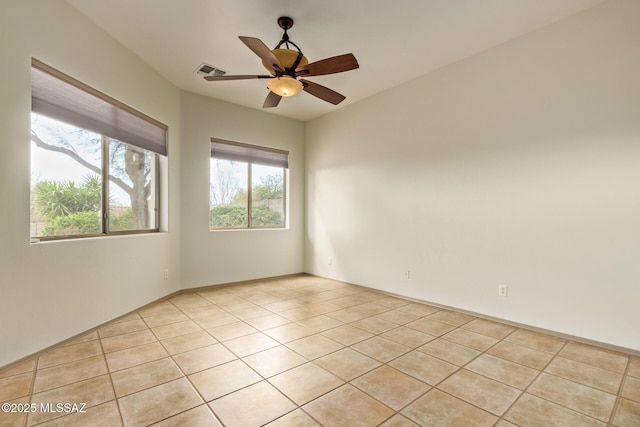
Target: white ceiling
pixel 394 41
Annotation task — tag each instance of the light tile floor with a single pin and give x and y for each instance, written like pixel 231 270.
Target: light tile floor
pixel 306 351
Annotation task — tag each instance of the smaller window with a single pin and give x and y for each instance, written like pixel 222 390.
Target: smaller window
pixel 247 186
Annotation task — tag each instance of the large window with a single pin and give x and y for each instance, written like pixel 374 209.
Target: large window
pixel 248 186
pixel 94 161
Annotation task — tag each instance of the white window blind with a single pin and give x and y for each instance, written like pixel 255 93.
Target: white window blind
pixel 61 97
pixel 240 152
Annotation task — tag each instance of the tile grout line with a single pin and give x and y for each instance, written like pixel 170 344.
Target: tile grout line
pixel 102 355
pixel 522 392
pixel 266 379
pixel 435 386
pixel 620 390
pixel 184 375
pixel 115 396
pixel 431 387
pixel 500 417
pixel 540 372
pixel 31 388
pixel 617 395
pixel 283 344
pixel 263 378
pixel 148 328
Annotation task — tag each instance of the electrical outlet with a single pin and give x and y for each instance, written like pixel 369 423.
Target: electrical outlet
pixel 166 273
pixel 330 261
pixel 502 290
pixel 407 274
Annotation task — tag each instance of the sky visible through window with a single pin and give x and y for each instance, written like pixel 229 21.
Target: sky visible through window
pixel 46 164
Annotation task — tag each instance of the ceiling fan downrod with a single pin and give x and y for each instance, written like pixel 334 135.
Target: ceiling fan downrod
pixel 286 23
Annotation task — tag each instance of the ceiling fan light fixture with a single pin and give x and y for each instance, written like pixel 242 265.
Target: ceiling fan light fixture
pixel 286 65
pixel 284 86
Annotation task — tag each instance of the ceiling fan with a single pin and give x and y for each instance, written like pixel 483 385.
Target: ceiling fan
pixel 287 66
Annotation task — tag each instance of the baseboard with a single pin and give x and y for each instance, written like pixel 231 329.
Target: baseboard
pixel 88 331
pixel 164 298
pixel 245 282
pixel 582 340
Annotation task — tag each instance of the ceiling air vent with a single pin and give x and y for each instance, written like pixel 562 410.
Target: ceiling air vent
pixel 205 69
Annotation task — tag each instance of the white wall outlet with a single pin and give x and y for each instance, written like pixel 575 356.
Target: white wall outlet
pixel 407 274
pixel 502 290
pixel 166 273
pixel 330 261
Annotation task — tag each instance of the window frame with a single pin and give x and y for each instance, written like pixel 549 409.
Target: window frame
pixel 152 138
pixel 258 155
pixel 285 217
pixel 105 194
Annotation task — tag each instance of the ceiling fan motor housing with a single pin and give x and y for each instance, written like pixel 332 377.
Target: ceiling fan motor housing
pixel 287 58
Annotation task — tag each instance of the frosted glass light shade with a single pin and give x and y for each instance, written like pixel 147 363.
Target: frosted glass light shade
pixel 284 86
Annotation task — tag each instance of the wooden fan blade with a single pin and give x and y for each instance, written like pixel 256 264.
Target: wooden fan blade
pixel 273 99
pixel 336 64
pixel 260 49
pixel 322 92
pixel 238 77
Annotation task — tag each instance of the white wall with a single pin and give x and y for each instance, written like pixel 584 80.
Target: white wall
pixel 52 291
pixel 519 166
pixel 215 257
